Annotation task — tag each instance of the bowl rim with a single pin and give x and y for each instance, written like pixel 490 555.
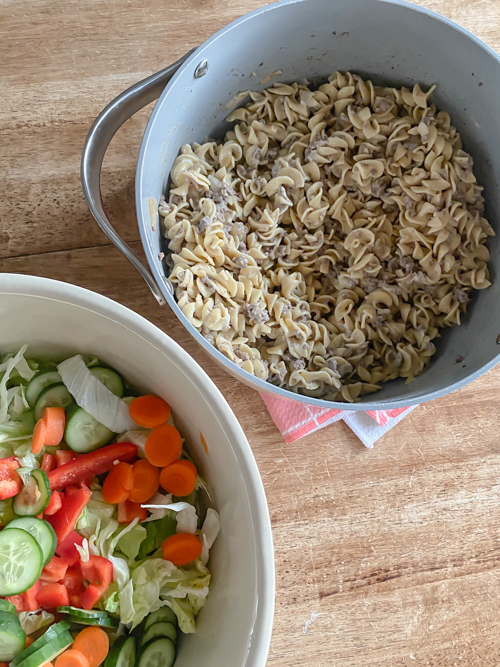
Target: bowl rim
pixel 156 265
pixel 47 288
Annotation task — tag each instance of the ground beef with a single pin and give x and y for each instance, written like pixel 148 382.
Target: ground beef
pixel 407 263
pixel 255 313
pixel 332 365
pixel 378 187
pixel 241 262
pixel 244 356
pixel 203 224
pixel 460 295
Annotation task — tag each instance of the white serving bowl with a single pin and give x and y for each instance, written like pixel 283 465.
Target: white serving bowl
pixel 57 319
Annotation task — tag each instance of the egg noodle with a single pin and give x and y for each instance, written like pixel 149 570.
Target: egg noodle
pixel 328 239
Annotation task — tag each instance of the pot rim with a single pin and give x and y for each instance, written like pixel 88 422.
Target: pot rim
pixel 262 385
pixel 46 288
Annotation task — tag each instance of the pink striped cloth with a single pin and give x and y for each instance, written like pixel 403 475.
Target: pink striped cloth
pixel 296 420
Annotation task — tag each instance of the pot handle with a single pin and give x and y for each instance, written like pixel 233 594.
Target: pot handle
pixel 102 131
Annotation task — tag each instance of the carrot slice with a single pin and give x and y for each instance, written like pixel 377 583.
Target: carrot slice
pixel 55 421
pixel 72 658
pixel 38 439
pixel 118 483
pixel 181 549
pixel 163 445
pixel 113 492
pixel 179 478
pixel 123 473
pixel 93 642
pixel 149 411
pixel 128 511
pixel 146 481
pixel 29 641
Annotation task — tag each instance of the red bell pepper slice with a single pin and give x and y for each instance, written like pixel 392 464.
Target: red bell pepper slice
pixel 10 482
pixel 64 520
pixel 63 456
pixel 55 504
pixel 51 596
pixel 128 511
pixel 67 549
pixel 48 462
pixel 73 580
pixel 30 597
pixel 18 602
pixel 92 595
pixel 54 571
pixel 99 571
pixel 92 464
pixel 26 601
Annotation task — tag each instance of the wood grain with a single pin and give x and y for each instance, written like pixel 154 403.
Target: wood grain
pixel 396 549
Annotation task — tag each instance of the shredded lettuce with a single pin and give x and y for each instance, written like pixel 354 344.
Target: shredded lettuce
pixel 83 519
pixel 185 610
pixel 31 621
pixel 16 419
pixel 137 437
pixel 17 430
pixel 147 581
pixel 94 397
pixel 155 582
pixel 158 506
pixel 201 484
pixel 208 533
pixel 187 519
pixel 110 601
pixel 188 596
pixel 130 542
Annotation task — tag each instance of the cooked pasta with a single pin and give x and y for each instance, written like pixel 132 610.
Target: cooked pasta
pixel 328 239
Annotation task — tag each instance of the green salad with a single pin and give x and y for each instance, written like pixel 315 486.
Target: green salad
pixel 104 530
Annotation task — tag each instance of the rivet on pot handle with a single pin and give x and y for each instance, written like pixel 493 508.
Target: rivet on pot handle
pixel 102 131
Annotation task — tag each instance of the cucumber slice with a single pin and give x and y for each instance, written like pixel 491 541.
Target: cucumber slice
pixel 47 652
pixel 159 653
pixel 50 633
pixel 12 636
pixel 164 614
pixel 6 512
pixel 122 653
pixel 21 561
pixel 38 383
pixel 7 606
pixel 102 622
pixel 82 613
pixel 159 630
pixel 54 396
pixel 45 536
pixel 83 433
pixel 110 379
pixel 34 497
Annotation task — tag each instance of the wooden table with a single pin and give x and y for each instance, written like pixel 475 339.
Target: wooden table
pixel 397 549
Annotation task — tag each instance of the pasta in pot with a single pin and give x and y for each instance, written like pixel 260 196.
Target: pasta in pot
pixel 328 239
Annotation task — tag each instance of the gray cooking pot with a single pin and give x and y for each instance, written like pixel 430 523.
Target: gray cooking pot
pixel 391 42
